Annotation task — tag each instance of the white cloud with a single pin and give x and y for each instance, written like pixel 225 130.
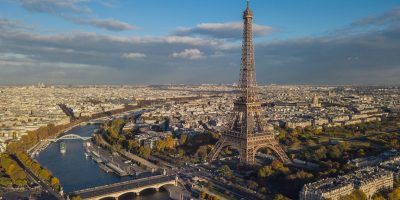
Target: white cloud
pixel 134 56
pixel 192 54
pixel 109 24
pixel 224 30
pixel 76 11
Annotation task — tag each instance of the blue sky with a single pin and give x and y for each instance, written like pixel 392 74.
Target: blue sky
pixel 192 41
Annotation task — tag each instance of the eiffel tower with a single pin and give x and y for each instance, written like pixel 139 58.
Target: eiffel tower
pixel 247 132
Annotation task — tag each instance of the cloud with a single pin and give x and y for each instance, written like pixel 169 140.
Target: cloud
pixel 109 24
pixel 229 30
pixel 55 6
pixel 75 11
pixel 192 54
pixel 134 56
pixel 387 18
pixel 365 58
pixel 369 57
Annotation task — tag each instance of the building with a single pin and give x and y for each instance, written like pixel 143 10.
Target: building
pixel 370 180
pixel 331 188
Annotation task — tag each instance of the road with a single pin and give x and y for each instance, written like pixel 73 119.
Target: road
pixel 188 172
pixel 53 194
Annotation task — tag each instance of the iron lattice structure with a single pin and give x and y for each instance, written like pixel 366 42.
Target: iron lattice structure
pixel 248 132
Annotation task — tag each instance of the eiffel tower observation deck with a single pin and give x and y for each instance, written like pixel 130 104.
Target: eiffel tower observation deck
pixel 247 132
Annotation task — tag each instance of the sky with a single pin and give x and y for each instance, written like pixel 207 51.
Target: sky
pixel 138 42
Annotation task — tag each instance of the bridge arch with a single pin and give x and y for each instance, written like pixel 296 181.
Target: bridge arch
pixel 70 137
pixel 127 195
pixel 137 192
pixel 108 198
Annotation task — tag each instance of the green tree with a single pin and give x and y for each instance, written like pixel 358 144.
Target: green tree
pixel 6 182
pixel 265 171
pixel 252 184
pixel 55 183
pixel 280 197
pixel 45 174
pixel 225 170
pixel 202 152
pixel 144 152
pixel 361 152
pixel 278 166
pixel 335 152
pixel 181 153
pixel 183 139
pixel 76 198
pixel 132 144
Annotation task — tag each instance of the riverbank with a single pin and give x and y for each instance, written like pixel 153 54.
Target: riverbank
pixel 77 172
pixel 111 162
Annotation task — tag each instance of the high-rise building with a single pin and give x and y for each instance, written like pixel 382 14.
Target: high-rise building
pixel 247 132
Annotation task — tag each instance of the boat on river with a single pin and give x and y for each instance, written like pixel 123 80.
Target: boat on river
pixel 63 148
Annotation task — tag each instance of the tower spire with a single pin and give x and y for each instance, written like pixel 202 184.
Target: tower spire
pixel 247 71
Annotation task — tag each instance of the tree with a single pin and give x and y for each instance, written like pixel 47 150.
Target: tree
pixel 356 195
pixel 181 153
pixel 335 152
pixel 225 170
pixel 132 144
pixel 6 182
pixel 169 142
pixel 76 198
pixel 252 184
pixel 361 152
pixel 395 195
pixel 183 139
pixel 55 183
pixel 203 195
pixel 160 145
pixel 44 174
pixel 320 153
pixel 265 171
pixel 378 197
pixel 202 152
pixel 280 197
pixel 301 175
pixel 144 152
pixel 278 166
pixel 263 190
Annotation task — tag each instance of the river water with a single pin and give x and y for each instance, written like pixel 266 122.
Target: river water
pixel 77 172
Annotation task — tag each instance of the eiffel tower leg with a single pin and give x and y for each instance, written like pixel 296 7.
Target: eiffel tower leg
pixel 247 156
pixel 217 148
pixel 281 153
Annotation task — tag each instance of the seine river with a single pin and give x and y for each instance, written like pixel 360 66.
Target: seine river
pixel 77 172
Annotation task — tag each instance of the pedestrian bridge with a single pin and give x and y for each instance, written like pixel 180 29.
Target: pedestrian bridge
pixel 69 137
pixel 132 186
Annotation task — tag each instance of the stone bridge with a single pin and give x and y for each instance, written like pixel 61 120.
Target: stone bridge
pixel 132 186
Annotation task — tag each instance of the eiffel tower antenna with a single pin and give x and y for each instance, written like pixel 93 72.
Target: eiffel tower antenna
pixel 247 132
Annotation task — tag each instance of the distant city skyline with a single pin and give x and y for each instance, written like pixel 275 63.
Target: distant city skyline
pixel 197 42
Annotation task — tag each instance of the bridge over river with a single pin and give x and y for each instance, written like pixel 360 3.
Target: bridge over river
pixel 132 186
pixel 70 136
